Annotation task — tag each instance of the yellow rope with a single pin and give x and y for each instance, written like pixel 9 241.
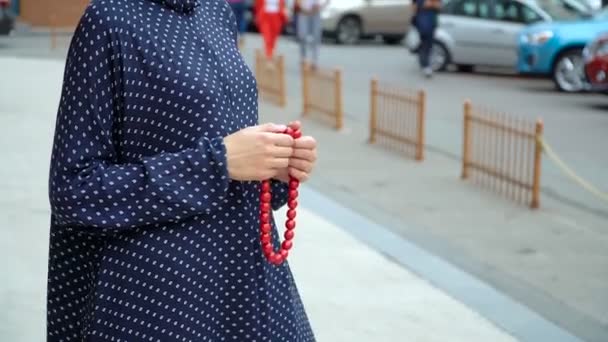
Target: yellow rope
pixel 570 173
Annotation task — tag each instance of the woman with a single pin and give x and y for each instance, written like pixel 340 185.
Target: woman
pixel 271 17
pixel 427 12
pixel 154 183
pixel 238 8
pixel 309 28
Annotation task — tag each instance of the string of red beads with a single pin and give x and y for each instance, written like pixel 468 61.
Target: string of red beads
pixel 278 257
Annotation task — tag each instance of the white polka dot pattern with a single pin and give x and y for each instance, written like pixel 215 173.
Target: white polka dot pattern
pixel 150 239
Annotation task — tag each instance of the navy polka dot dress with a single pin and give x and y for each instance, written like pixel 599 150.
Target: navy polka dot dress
pixel 150 239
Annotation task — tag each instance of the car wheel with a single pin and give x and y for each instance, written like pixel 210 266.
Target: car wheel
pixel 440 56
pixel 569 71
pixel 465 67
pixel 349 30
pixel 392 40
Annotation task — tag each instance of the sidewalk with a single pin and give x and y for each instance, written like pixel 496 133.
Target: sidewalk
pixel 351 291
pixel 355 294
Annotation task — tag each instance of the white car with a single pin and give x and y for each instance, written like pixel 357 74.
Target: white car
pixel 484 32
pixel 350 20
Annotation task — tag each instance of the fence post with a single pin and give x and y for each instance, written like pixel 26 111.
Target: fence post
pixel 538 151
pixel 373 116
pixel 305 88
pixel 420 124
pixel 338 99
pixel 257 67
pixel 282 90
pixel 466 145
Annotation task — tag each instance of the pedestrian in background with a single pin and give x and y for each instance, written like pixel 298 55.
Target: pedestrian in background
pixel 309 28
pixel 425 19
pixel 238 7
pixel 271 17
pixel 295 17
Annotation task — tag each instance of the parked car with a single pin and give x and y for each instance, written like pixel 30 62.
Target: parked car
pixel 595 56
pixel 7 18
pixel 484 32
pixel 555 50
pixel 347 21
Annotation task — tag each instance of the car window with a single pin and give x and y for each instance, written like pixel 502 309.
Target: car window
pixel 515 12
pixel 467 8
pixel 483 10
pixel 563 9
pixel 530 16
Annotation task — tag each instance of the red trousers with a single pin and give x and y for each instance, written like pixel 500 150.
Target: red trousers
pixel 271 26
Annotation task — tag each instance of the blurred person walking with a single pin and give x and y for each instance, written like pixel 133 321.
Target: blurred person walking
pixel 271 17
pixel 238 8
pixel 425 20
pixel 296 10
pixel 309 28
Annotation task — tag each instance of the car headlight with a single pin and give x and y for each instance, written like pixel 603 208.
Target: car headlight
pixel 539 38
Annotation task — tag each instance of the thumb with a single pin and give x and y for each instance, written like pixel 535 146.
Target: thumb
pixel 272 128
pixel 295 125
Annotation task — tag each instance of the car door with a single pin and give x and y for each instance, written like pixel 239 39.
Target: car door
pixel 466 24
pixel 510 17
pixel 386 16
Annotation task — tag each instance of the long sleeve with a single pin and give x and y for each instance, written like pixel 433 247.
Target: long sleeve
pixel 88 189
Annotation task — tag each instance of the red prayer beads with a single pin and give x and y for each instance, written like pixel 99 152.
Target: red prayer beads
pixel 278 257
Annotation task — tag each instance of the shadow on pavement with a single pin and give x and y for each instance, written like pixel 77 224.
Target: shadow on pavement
pixel 603 107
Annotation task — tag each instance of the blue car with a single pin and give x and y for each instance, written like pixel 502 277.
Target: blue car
pixel 555 49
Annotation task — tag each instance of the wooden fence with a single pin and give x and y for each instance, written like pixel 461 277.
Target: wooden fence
pixel 270 76
pixel 38 13
pixel 503 153
pixel 322 93
pixel 397 118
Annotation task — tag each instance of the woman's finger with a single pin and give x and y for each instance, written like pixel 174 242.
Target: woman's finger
pixel 300 164
pixel 305 154
pixel 295 125
pixel 278 163
pixel 299 175
pixel 306 142
pixel 282 140
pixel 280 152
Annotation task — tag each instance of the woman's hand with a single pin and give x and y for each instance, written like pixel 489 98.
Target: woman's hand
pixel 258 153
pixel 303 159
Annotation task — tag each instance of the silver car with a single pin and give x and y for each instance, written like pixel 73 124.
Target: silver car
pixel 350 20
pixel 484 32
